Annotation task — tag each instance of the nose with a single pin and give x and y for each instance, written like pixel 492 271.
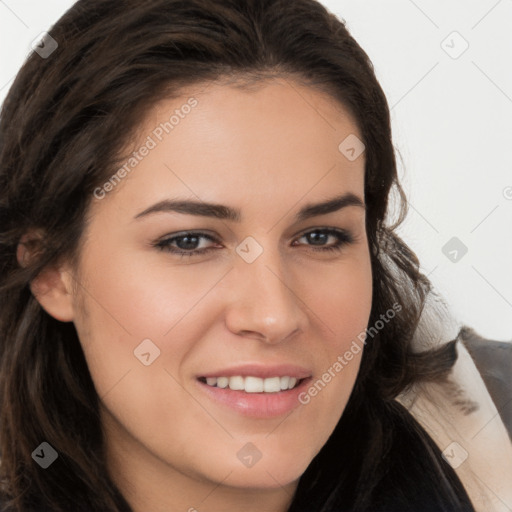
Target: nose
pixel 263 304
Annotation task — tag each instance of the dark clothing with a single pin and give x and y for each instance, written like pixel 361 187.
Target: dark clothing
pixel 409 474
pixel 494 362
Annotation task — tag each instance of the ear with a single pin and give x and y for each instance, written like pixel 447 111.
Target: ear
pixel 52 287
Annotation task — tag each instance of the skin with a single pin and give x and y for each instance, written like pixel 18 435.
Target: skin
pixel 268 152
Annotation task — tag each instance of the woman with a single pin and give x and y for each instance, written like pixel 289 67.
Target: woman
pixel 204 306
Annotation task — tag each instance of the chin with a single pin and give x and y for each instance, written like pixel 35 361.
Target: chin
pixel 268 477
pixel 276 468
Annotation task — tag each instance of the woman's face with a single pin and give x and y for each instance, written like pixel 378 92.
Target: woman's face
pixel 262 300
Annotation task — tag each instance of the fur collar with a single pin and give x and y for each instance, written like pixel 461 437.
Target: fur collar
pixel 461 417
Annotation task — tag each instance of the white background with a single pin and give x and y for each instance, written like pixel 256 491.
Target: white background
pixel 452 124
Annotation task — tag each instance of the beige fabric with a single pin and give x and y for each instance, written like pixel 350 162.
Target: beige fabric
pixel 461 417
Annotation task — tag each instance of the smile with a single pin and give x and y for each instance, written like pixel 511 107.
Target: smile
pixel 251 384
pixel 258 397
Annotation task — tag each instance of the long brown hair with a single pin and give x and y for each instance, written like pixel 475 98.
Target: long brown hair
pixel 63 126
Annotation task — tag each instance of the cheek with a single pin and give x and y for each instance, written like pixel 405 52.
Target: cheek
pixel 343 306
pixel 340 296
pixel 144 296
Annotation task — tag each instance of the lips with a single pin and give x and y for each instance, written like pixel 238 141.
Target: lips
pixel 256 390
pixel 255 404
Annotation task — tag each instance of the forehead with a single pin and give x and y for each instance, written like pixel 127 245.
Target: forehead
pixel 268 106
pixel 219 141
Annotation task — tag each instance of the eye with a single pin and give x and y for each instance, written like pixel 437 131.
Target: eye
pixel 189 243
pixel 320 235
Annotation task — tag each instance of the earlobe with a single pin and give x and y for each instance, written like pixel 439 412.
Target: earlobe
pixel 52 287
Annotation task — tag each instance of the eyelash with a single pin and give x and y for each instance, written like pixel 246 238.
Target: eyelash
pixel 343 238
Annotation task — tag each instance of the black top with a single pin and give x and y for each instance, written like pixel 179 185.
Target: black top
pixel 494 362
pixel 408 475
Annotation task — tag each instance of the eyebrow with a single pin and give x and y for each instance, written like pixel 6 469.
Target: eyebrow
pixel 223 212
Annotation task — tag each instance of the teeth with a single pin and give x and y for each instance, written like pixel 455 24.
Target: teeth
pixel 253 384
pixel 236 383
pixel 272 385
pixel 222 382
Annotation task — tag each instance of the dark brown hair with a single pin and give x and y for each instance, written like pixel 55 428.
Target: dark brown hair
pixel 63 128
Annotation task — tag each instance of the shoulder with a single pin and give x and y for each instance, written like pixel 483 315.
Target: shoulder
pixel 380 459
pixel 417 477
pixel 493 360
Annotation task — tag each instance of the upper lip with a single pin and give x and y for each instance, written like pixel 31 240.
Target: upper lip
pixel 261 370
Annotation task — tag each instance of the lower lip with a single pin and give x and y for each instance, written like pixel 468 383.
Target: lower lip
pixel 257 405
